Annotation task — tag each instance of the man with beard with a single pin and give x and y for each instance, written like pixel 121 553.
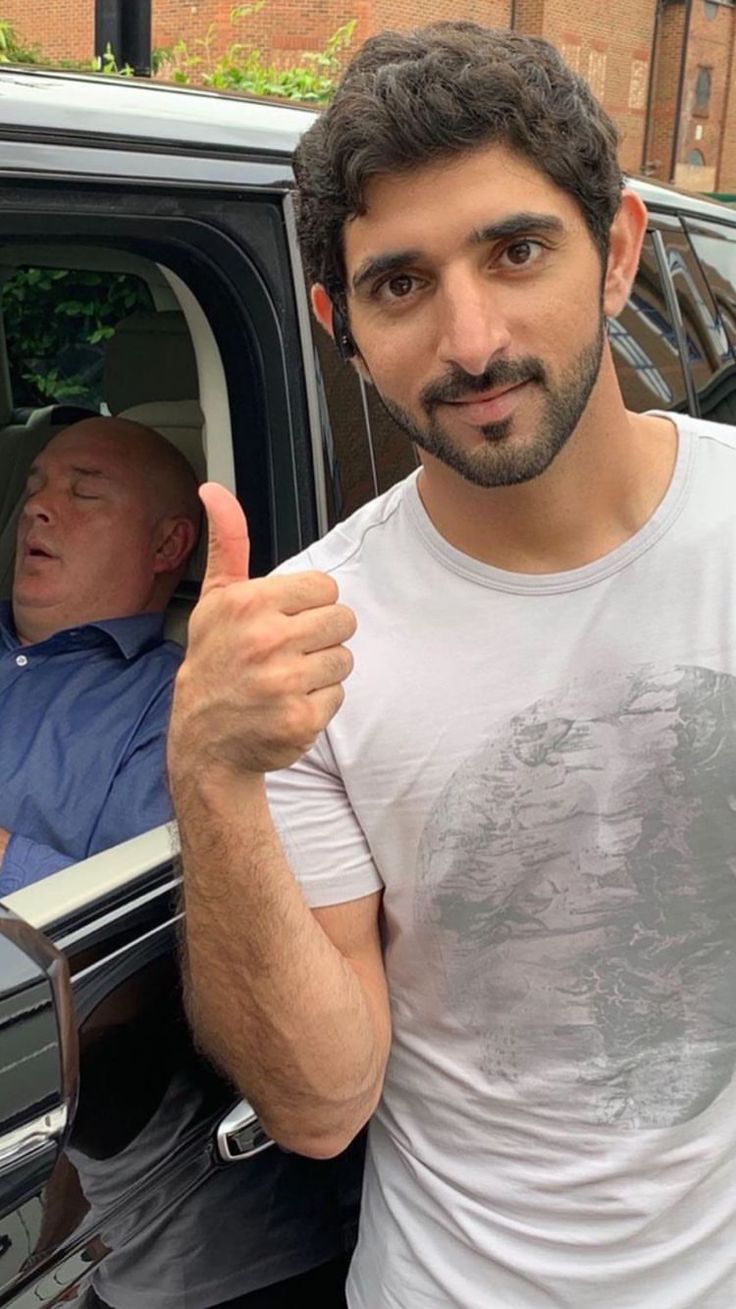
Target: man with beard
pixel 493 898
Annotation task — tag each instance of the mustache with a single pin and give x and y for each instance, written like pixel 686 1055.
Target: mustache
pixel 458 385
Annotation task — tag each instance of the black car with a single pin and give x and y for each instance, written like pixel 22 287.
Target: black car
pixel 149 268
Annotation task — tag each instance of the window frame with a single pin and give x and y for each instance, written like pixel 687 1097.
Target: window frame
pixel 232 287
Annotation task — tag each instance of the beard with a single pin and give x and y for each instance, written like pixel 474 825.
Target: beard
pixel 500 461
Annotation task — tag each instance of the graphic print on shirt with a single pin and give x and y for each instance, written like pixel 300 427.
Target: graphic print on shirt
pixel 578 878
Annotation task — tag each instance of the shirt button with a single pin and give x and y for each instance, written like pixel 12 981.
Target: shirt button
pixel 21 660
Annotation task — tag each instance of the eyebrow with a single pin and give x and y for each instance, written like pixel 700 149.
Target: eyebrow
pixel 515 225
pixel 518 225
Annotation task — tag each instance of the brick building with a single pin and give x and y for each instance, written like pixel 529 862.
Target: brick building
pixel 665 69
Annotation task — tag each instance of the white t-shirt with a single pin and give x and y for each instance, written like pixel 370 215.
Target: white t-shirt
pixel 540 773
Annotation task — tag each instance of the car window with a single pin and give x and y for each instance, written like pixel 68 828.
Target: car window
pixel 111 709
pixel 57 321
pixel 708 350
pixel 715 247
pixel 644 343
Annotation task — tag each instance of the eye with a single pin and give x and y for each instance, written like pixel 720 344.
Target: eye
pixel 396 287
pixel 522 253
pixel 83 495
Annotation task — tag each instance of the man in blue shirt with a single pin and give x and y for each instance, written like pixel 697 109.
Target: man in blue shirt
pixel 109 520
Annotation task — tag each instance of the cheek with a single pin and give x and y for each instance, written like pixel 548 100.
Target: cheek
pixel 400 364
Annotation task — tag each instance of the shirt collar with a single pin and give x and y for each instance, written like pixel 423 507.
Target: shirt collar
pixel 131 635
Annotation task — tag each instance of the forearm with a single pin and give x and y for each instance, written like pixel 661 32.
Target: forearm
pixel 277 1006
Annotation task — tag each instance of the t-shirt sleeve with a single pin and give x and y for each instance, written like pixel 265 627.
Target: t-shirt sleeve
pixel 323 841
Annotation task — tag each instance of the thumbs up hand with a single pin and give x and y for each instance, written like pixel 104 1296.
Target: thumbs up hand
pixel 265 658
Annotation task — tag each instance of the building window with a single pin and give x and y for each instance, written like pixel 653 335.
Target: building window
pixel 710 10
pixel 702 90
pixel 696 159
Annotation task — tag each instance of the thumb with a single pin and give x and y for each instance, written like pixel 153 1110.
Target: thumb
pixel 228 552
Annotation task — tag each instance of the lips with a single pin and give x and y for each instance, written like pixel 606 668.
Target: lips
pixel 486 396
pixel 490 406
pixel 34 549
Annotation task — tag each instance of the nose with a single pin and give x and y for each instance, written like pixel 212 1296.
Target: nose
pixel 474 330
pixel 38 507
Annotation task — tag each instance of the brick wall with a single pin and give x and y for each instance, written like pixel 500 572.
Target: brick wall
pixel 710 45
pixel 63 29
pixel 726 178
pixel 283 29
pixel 667 59
pixel 611 45
pixel 387 13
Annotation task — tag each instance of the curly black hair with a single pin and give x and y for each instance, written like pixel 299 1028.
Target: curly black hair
pixel 410 98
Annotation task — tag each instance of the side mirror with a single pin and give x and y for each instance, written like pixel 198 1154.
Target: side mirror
pixel 38 1058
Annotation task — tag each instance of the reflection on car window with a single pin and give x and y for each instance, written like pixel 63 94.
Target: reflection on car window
pixel 350 474
pixel 709 354
pixel 644 343
pixel 57 321
pixel 715 247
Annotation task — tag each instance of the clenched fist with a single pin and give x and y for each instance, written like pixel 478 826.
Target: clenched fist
pixel 265 658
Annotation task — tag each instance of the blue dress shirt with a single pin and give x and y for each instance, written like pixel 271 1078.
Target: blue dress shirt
pixel 83 719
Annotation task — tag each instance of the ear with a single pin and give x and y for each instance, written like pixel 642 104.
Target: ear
pixel 322 310
pixel 176 541
pixel 322 307
pixel 627 234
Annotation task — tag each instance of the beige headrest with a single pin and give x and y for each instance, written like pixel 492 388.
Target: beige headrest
pixel 150 357
pixel 182 423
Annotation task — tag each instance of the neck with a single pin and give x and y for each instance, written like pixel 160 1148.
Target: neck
pixel 602 487
pixel 35 624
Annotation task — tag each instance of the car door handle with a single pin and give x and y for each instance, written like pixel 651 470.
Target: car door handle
pixel 24 1142
pixel 240 1135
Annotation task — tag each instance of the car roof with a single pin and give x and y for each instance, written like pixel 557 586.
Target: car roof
pixel 48 104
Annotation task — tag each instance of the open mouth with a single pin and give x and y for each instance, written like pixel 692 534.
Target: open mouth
pixel 35 551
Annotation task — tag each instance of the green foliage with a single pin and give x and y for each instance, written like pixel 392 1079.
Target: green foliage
pixel 12 49
pixel 57 321
pixel 242 68
pixel 108 65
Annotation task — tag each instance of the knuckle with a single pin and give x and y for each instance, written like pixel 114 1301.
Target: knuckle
pixel 339 663
pixel 261 640
pixel 296 722
pixel 348 662
pixel 348 622
pixel 335 701
pixel 322 587
pixel 281 682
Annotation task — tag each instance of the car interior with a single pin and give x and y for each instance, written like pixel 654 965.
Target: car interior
pixel 160 366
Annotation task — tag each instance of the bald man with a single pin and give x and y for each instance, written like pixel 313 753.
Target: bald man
pixel 109 519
